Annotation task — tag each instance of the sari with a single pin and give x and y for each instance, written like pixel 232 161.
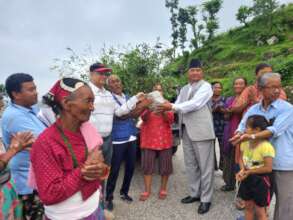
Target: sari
pixel 230 152
pixel 230 125
pixel 10 205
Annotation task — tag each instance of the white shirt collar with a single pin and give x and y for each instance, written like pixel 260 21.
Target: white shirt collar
pixel 97 89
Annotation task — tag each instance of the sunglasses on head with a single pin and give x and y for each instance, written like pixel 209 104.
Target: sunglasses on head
pixel 103 73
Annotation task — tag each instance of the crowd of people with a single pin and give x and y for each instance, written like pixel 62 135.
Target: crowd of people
pixel 65 155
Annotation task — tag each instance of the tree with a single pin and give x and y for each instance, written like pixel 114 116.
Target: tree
pixel 196 30
pixel 173 6
pixel 75 65
pixel 211 26
pixel 210 9
pixel 183 19
pixel 244 12
pixel 265 9
pixel 139 67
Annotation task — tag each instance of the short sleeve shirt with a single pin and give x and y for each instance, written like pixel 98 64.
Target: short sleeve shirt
pixel 254 157
pixel 18 119
pixel 156 132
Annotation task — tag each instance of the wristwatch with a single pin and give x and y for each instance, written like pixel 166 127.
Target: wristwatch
pixel 252 136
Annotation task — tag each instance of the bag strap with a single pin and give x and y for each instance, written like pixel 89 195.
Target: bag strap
pixel 116 99
pixel 69 146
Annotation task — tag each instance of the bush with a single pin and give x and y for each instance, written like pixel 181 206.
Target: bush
pixel 239 55
pixel 286 72
pixel 289 92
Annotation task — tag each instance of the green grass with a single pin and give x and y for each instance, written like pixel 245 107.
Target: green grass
pixel 235 52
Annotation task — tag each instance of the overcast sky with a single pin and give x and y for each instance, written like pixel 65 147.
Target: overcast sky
pixel 34 32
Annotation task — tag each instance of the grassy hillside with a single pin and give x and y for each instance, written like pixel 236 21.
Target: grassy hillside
pixel 236 52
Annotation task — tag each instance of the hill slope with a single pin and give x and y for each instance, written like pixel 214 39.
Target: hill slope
pixel 236 52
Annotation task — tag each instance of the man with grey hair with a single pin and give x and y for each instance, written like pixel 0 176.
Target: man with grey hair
pixel 124 138
pixel 251 94
pixel 280 132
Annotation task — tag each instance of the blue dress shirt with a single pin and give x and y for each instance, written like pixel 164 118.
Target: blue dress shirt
pixel 281 113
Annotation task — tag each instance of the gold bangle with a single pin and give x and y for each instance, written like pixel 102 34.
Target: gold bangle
pixel 4 163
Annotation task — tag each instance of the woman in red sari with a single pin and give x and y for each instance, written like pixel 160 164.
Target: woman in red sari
pixel 68 174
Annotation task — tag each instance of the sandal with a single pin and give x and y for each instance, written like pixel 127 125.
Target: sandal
pixel 144 196
pixel 162 194
pixel 227 188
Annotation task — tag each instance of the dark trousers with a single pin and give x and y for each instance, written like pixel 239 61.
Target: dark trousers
pixel 121 152
pixel 107 149
pixel 229 167
pixel 220 141
pixel 32 207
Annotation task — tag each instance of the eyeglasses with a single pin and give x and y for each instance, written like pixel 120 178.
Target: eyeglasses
pixel 272 87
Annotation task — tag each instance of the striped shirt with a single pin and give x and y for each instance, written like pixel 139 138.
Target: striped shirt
pixel 106 108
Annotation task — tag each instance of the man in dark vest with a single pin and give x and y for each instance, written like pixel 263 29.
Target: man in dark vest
pixel 197 132
pixel 124 146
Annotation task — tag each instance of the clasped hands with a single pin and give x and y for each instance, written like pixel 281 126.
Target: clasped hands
pixel 22 141
pixel 242 174
pixel 94 167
